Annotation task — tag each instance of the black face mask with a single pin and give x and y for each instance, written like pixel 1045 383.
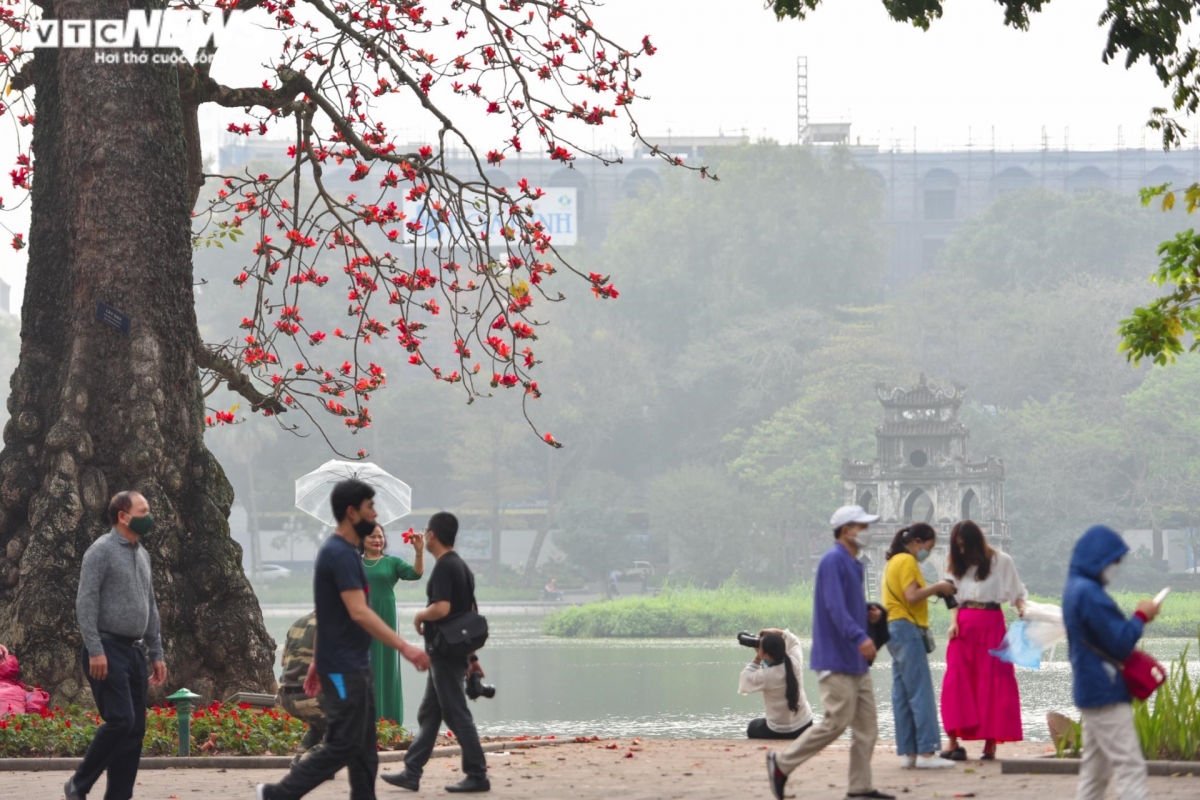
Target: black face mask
pixel 364 528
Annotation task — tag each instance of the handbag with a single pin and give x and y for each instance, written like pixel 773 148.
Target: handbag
pixel 878 631
pixel 1141 671
pixel 459 635
pixel 1143 674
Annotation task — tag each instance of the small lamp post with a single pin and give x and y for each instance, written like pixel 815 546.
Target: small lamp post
pixel 183 700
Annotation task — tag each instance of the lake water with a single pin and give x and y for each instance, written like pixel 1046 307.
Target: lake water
pixel 674 687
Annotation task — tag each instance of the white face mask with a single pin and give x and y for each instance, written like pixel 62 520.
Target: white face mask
pixel 1110 573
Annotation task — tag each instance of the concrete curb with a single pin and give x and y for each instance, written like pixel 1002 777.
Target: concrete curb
pixel 1070 766
pixel 254 762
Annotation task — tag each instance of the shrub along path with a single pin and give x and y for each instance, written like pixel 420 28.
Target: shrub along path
pixel 663 769
pixel 687 611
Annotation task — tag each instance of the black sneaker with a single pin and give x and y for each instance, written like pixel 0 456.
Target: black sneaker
pixel 403 780
pixel 775 776
pixel 957 754
pixel 469 784
pixel 873 793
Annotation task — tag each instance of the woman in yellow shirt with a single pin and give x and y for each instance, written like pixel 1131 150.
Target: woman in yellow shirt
pixel 906 598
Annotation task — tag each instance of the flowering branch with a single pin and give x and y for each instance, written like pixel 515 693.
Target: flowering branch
pixel 237 382
pixel 419 246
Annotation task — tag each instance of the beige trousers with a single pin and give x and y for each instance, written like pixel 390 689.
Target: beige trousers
pixel 849 702
pixel 1111 752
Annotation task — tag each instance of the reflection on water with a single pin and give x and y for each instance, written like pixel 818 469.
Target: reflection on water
pixel 674 687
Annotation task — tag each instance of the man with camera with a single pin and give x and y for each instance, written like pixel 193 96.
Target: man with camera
pixel 451 595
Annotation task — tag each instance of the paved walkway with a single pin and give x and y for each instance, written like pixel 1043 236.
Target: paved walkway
pixel 659 770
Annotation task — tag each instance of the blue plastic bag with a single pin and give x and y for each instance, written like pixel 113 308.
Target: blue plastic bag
pixel 1017 649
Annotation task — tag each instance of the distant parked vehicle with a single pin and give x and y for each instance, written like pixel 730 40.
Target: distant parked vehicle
pixel 640 571
pixel 270 572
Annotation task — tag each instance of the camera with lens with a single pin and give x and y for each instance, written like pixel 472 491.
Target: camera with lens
pixel 748 639
pixel 949 599
pixel 476 688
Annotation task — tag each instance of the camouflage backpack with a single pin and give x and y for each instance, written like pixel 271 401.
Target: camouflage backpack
pixel 298 650
pixel 297 655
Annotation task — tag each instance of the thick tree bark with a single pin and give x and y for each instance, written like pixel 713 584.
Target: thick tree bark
pixel 94 410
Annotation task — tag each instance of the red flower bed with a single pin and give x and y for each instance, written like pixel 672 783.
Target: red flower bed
pixel 230 730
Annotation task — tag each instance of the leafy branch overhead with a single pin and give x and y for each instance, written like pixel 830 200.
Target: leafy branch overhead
pixel 420 248
pixel 1159 330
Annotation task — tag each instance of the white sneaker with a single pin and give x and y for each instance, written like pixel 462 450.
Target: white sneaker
pixel 933 762
pixel 908 762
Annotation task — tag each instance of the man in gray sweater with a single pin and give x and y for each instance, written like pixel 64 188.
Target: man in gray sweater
pixel 118 620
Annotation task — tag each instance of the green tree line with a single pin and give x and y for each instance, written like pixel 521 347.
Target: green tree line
pixel 706 413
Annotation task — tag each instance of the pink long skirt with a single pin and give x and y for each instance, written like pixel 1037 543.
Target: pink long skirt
pixel 979 693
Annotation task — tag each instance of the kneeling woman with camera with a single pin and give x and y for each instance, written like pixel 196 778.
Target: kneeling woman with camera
pixel 775 671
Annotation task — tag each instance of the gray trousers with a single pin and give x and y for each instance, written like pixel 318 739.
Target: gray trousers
pixel 1111 753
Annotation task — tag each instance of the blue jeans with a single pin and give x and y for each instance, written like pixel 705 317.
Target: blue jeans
pixel 913 702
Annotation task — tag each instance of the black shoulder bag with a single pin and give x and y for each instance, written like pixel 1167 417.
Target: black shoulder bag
pixel 459 635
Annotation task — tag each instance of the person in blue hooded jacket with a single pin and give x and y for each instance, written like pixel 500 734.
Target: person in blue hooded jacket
pixel 1101 637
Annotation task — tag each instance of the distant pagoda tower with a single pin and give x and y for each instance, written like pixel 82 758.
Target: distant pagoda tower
pixel 922 472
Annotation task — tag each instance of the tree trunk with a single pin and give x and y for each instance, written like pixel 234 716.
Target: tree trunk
pixel 554 480
pixel 535 552
pixel 255 540
pixel 95 410
pixel 497 485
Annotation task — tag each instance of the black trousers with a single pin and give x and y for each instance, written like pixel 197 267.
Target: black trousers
pixel 349 741
pixel 121 701
pixel 758 729
pixel 445 701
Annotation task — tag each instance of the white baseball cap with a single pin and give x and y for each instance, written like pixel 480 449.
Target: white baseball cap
pixel 848 514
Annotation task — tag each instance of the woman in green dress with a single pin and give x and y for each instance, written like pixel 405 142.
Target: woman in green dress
pixel 382 573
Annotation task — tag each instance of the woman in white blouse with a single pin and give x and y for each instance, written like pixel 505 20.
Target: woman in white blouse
pixel 979 693
pixel 775 671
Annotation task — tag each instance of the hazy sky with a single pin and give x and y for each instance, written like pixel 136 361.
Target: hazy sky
pixel 724 66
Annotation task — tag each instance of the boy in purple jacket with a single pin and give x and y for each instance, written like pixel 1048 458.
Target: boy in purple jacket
pixel 842 653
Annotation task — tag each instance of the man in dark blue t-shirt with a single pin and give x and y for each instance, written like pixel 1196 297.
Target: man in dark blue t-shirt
pixel 345 625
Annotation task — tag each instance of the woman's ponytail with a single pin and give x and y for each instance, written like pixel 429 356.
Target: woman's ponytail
pixel 775 648
pixel 792 692
pixel 917 532
pixel 899 542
